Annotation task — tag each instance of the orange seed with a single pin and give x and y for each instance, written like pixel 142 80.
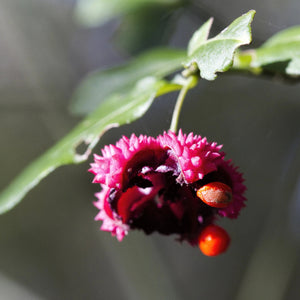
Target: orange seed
pixel 215 194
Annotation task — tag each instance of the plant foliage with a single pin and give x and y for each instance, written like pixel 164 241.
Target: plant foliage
pixel 124 93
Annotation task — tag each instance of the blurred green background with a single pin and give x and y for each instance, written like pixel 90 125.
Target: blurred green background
pixel 50 247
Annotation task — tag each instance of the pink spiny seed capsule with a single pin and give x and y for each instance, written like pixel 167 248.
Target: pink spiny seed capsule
pixel 215 194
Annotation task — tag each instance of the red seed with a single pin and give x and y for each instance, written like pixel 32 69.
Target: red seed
pixel 215 194
pixel 213 240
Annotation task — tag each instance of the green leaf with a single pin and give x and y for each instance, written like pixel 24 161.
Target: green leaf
pixel 115 111
pixel 216 54
pixel 281 53
pixel 98 12
pixel 199 37
pixel 119 80
pixel 288 35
